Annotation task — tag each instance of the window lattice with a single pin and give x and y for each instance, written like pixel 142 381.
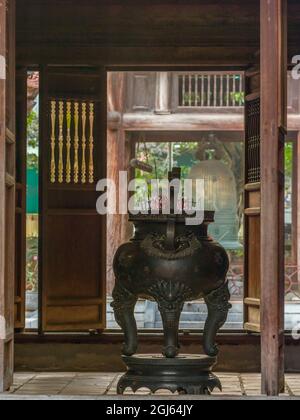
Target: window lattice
pixel 253 140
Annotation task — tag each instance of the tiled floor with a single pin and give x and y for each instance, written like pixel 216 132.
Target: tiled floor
pixel 99 384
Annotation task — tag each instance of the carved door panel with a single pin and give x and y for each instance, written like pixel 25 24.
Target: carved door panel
pixel 73 156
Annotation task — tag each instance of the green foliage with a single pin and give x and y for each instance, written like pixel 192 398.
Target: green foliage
pixel 32 264
pixel 238 97
pixel 32 163
pixel 289 159
pixel 32 140
pixel 158 155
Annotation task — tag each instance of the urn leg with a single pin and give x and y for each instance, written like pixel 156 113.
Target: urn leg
pixel 218 307
pixel 171 318
pixel 123 305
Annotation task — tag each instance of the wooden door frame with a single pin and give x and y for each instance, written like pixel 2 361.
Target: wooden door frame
pixel 273 31
pixel 7 191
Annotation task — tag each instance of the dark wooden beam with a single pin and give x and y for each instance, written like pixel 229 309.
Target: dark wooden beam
pixel 273 128
pixel 59 52
pixel 183 122
pixel 137 33
pixel 142 32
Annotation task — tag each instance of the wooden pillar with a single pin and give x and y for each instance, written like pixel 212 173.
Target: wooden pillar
pixel 115 163
pixel 7 190
pixel 273 131
pixel 162 101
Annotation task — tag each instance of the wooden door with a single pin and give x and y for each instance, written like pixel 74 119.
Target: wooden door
pixel 252 202
pixel 73 159
pixel 7 190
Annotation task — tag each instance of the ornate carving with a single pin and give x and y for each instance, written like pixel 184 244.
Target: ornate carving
pixel 218 300
pixel 154 245
pixel 83 163
pixel 76 142
pixel 53 141
pixel 61 143
pixel 170 295
pixel 122 297
pixel 91 144
pixel 123 305
pixel 69 118
pixel 218 306
pixel 68 142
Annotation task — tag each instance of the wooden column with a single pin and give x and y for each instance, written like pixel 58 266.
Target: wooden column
pixel 7 190
pixel 273 131
pixel 115 163
pixel 162 101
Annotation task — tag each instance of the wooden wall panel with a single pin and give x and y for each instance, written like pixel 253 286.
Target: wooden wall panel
pixel 73 269
pixel 252 274
pixel 141 88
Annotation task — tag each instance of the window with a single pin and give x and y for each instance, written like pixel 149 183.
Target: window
pixel 154 100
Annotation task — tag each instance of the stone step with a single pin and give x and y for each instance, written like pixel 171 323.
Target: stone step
pixel 201 307
pixel 200 317
pixel 139 308
pixel 200 325
pixel 112 325
pixel 140 317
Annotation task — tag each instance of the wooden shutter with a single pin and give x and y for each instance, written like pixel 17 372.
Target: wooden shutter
pixel 252 202
pixel 20 257
pixel 73 236
pixel 7 190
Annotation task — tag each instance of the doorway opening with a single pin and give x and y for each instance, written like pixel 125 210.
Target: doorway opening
pixel 32 201
pixel 171 119
pixel 193 120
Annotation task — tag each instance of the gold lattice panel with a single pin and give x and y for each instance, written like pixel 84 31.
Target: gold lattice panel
pixel 72 142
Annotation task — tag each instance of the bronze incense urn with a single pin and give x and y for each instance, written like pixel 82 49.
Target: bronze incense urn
pixel 171 263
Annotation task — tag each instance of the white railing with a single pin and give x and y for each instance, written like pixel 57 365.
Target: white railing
pixel 212 90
